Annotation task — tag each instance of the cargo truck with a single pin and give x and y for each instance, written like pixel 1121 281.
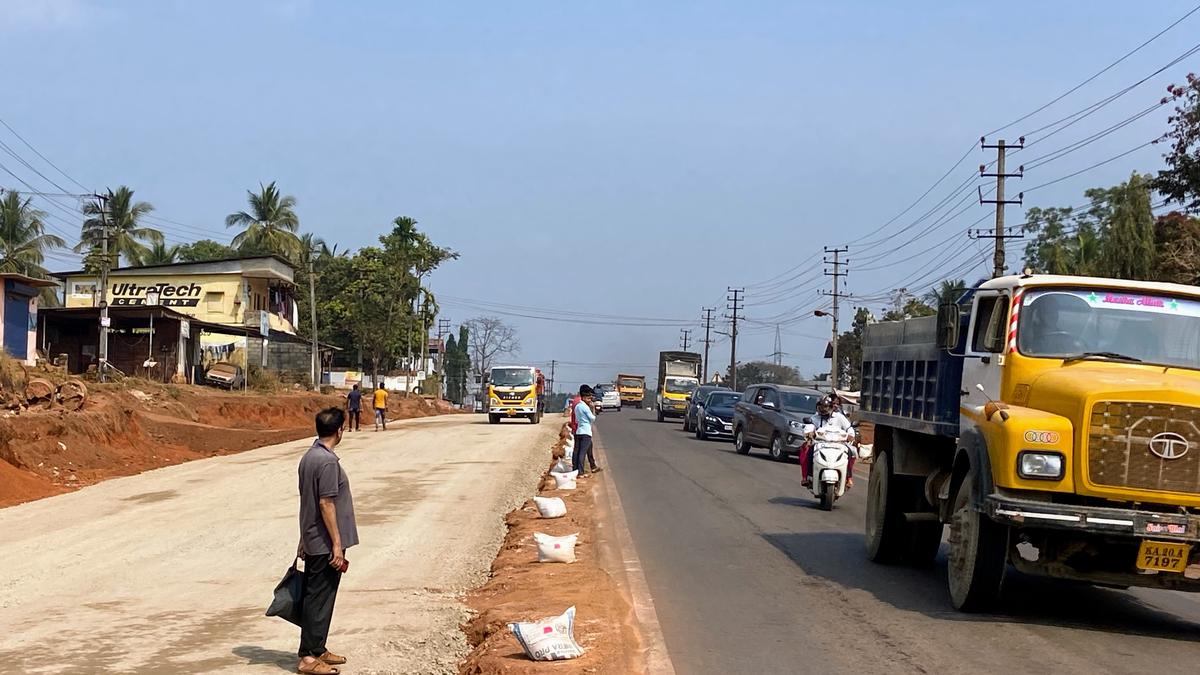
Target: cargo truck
pixel 512 391
pixel 678 377
pixel 632 389
pixel 1053 423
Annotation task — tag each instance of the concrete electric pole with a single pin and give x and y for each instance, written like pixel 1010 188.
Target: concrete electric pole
pixel 707 339
pixel 837 273
pixel 998 263
pixel 736 303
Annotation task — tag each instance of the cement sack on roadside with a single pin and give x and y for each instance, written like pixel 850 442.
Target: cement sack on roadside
pixel 555 549
pixel 550 507
pixel 563 465
pixel 565 481
pixel 551 639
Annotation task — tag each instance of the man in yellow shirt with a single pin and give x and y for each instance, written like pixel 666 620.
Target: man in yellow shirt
pixel 381 396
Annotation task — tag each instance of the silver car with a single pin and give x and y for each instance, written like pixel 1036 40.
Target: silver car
pixel 607 397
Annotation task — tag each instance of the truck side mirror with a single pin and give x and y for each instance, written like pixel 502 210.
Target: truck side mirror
pixel 948 318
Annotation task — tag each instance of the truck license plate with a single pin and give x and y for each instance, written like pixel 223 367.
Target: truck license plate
pixel 1161 555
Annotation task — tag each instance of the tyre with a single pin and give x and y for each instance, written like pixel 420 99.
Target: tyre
pixel 827 497
pixel 886 528
pixel 700 435
pixel 493 418
pixel 686 423
pixel 978 550
pixel 739 443
pixel 776 449
pixel 660 415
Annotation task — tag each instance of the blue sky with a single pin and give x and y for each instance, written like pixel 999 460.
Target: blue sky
pixel 620 158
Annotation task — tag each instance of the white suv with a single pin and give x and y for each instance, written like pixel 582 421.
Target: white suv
pixel 607 397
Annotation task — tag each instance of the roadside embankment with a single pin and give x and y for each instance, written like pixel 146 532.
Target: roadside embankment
pixel 522 589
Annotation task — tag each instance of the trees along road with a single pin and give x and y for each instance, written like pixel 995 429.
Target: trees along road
pixel 747 576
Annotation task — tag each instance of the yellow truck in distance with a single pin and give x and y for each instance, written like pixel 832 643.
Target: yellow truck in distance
pixel 1052 422
pixel 632 388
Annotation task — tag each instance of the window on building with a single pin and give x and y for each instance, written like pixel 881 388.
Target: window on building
pixel 214 301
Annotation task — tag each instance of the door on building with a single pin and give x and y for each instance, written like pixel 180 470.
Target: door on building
pixel 16 325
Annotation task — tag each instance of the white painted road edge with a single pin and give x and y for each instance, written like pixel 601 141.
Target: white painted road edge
pixel 656 658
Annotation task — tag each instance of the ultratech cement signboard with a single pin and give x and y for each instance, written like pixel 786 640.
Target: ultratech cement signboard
pixel 124 293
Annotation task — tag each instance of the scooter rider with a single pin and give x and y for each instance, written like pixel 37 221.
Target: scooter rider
pixel 828 415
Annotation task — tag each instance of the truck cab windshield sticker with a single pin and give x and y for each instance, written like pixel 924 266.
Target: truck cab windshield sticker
pixel 1124 300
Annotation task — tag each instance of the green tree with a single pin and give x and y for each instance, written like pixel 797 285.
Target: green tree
pixel 1127 247
pixel 1066 243
pixel 23 238
pixel 159 253
pixel 269 226
pixel 127 237
pixel 850 349
pixel 1177 240
pixel 755 372
pixel 1180 181
pixel 946 292
pixel 204 250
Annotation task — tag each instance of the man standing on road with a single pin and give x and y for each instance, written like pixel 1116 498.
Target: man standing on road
pixel 583 418
pixel 353 408
pixel 381 396
pixel 327 529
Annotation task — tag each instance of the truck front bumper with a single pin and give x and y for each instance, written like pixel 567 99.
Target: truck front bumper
pixel 1096 519
pixel 512 411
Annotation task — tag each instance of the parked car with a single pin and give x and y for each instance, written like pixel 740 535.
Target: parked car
pixel 772 416
pixel 607 397
pixel 225 375
pixel 696 403
pixel 715 416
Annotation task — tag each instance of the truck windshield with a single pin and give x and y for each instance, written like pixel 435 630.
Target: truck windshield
pixel 794 401
pixel 512 377
pixel 681 385
pixel 629 382
pixel 1111 324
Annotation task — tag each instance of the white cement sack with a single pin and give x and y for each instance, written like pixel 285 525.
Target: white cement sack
pixel 563 465
pixel 555 549
pixel 565 481
pixel 551 639
pixel 550 507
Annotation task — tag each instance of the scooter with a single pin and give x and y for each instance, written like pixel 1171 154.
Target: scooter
pixel 830 463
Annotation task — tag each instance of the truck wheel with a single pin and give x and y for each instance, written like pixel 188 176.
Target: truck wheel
pixel 740 444
pixel 660 415
pixel 886 527
pixel 978 549
pixel 777 453
pixel 493 419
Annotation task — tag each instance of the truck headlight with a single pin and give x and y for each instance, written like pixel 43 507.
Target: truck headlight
pixel 1040 465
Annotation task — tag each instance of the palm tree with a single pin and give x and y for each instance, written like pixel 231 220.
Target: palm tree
pixel 947 292
pixel 23 238
pixel 270 225
pixel 127 238
pixel 160 253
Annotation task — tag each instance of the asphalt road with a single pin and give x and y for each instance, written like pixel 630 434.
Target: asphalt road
pixel 747 576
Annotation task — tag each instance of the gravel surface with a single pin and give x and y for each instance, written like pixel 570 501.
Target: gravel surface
pixel 170 571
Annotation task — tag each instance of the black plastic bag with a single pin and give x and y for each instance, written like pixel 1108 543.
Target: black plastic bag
pixel 289 596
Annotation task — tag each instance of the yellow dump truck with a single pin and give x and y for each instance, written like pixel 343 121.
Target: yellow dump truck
pixel 1052 422
pixel 632 389
pixel 511 391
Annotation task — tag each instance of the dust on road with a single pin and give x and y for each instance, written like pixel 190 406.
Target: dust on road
pixel 170 571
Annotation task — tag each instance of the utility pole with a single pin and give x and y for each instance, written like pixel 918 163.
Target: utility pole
pixel 552 364
pixel 443 329
pixel 736 303
pixel 104 265
pixel 312 313
pixel 707 340
pixel 836 294
pixel 685 335
pixel 999 235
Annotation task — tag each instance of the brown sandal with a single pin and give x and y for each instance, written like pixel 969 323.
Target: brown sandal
pixel 317 667
pixel 332 659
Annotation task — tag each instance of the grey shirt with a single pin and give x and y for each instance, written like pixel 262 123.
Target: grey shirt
pixel 321 475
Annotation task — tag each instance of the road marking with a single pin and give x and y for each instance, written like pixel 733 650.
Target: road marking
pixel 656 659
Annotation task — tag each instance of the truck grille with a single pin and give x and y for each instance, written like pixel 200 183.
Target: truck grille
pixel 512 395
pixel 1123 439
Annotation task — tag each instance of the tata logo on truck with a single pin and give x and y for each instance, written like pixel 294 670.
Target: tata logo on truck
pixel 1168 445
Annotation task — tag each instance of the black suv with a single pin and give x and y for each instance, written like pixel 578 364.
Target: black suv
pixel 695 407
pixel 772 416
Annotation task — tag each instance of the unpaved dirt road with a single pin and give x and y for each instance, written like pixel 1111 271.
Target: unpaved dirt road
pixel 170 571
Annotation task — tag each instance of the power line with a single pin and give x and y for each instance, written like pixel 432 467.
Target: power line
pixel 43 157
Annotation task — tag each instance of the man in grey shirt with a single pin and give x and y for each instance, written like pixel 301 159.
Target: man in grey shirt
pixel 327 529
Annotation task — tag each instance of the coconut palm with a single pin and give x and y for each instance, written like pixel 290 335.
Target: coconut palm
pixel 23 238
pixel 948 291
pixel 160 253
pixel 127 237
pixel 270 224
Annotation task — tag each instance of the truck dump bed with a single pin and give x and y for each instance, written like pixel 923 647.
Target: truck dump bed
pixel 908 382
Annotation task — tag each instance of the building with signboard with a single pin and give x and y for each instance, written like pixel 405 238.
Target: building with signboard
pixel 241 310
